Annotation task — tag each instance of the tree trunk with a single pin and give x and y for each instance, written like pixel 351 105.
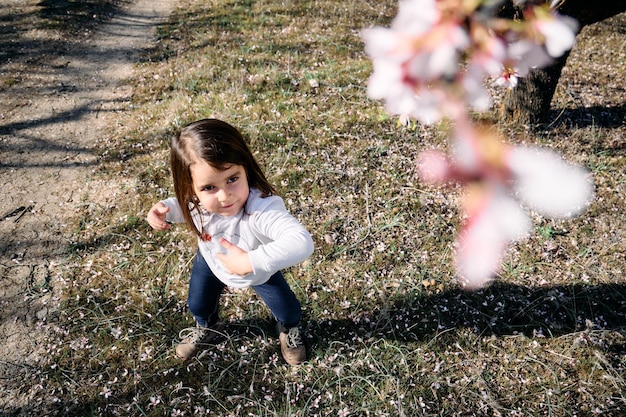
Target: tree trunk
pixel 529 102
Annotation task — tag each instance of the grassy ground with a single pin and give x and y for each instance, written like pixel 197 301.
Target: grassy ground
pixel 389 331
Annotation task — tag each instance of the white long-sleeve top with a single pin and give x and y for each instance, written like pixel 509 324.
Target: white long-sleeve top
pixel 273 238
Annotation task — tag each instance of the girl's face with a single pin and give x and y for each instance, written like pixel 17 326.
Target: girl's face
pixel 220 192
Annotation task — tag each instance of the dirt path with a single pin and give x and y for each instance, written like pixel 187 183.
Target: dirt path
pixel 56 100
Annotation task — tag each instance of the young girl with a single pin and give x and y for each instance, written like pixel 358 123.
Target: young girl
pixel 245 234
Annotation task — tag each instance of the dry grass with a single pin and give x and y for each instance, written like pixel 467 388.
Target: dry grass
pixel 390 332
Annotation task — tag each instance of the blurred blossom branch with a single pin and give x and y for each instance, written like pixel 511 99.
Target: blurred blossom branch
pixel 430 65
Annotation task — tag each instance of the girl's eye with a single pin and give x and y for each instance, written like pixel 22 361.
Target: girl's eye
pixel 208 188
pixel 232 179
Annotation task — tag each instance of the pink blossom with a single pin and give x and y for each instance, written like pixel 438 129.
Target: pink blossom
pixel 494 220
pixel 476 95
pixel 416 17
pixel 545 36
pixel 387 81
pixel 489 52
pixel 500 180
pixel 557 32
pixel 344 412
pixel 438 52
pixel 526 55
pixel 417 52
pixel 508 78
pixel 434 167
pixel 547 184
pixel 431 105
pixel 418 60
pixel 419 73
pixel 106 392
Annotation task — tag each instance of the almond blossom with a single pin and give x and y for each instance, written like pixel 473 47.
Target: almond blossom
pixel 431 64
pixel 508 78
pixel 493 220
pixel 547 185
pixel 422 47
pixel 556 32
pixel 436 54
pixel 501 183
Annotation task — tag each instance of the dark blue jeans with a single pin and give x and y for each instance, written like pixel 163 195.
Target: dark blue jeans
pixel 205 290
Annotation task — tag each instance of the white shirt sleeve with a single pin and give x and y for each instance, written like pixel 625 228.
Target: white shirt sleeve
pixel 285 241
pixel 175 215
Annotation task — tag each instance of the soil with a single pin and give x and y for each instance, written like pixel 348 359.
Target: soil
pixel 57 96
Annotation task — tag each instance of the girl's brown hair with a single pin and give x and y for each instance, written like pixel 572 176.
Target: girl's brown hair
pixel 220 145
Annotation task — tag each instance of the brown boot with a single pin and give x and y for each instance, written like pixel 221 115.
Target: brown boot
pixel 291 344
pixel 194 339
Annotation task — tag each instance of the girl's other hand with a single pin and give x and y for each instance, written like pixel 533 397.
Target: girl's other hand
pixel 156 217
pixel 236 261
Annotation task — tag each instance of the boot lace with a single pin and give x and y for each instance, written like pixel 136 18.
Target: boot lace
pixel 294 338
pixel 192 334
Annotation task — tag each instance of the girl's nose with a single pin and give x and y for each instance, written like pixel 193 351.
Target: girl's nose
pixel 222 195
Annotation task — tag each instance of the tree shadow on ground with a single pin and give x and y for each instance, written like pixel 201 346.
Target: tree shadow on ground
pixel 76 15
pixel 24 143
pixel 35 69
pixel 596 116
pixel 71 18
pixel 499 310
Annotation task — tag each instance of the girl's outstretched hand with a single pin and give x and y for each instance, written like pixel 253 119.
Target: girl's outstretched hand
pixel 236 261
pixel 156 217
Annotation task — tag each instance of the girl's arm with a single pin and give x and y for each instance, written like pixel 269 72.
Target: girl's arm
pixel 164 213
pixel 157 215
pixel 288 242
